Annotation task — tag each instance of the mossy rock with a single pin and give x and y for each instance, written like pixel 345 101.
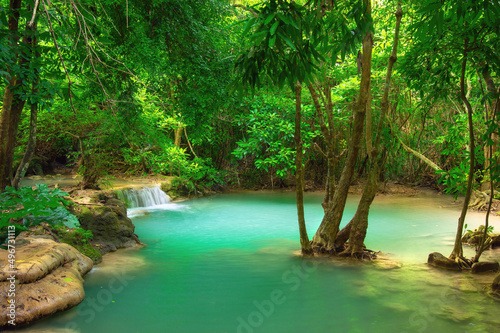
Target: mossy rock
pixel 111 227
pixel 166 186
pixel 90 252
pixel 73 237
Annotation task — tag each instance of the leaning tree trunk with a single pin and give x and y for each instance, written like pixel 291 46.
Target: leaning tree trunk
pixel 457 252
pixel 324 238
pixel 12 106
pixel 299 173
pixel 359 224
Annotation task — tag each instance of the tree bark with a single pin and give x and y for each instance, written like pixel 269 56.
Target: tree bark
pixel 327 132
pixel 358 229
pixel 178 136
pixel 12 103
pixel 490 111
pixel 299 173
pixel 457 252
pixel 30 147
pixel 324 238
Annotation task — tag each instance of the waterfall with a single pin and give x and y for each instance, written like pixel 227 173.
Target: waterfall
pixel 146 197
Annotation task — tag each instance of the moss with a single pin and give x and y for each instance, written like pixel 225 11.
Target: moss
pixel 80 240
pixel 89 251
pixel 166 186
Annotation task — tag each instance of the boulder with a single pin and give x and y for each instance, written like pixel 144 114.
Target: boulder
pixel 49 279
pixel 485 266
pixel 111 227
pixel 438 260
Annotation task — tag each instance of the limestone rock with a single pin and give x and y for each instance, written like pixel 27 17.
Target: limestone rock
pixel 48 280
pixel 111 227
pixel 485 266
pixel 438 260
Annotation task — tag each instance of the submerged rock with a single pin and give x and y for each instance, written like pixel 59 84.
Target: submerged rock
pixel 438 260
pixel 48 280
pixel 485 266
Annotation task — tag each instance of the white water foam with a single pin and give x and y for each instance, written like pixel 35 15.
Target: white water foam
pixel 141 201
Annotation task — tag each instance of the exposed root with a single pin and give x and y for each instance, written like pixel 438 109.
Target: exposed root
pixel 463 263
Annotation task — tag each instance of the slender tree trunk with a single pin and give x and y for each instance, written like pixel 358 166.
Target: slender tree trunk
pixel 178 136
pixel 12 106
pixel 30 147
pixel 457 252
pixel 490 111
pixel 299 173
pixel 359 223
pixel 328 135
pixel 326 234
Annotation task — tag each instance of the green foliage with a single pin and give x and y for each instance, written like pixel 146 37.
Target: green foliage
pixel 268 141
pixel 31 207
pixel 287 41
pixel 80 239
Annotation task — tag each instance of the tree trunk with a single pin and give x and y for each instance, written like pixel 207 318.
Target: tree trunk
pixel 457 252
pixel 30 147
pixel 490 112
pixel 327 132
pixel 359 226
pixel 178 136
pixel 299 173
pixel 12 106
pixel 324 238
pixel 359 223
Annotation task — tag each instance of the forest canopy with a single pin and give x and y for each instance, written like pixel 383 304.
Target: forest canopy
pixel 205 90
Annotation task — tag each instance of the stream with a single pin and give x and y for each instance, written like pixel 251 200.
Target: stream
pixel 228 263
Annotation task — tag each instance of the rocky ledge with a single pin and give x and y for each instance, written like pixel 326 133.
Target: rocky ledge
pixel 48 279
pixel 106 217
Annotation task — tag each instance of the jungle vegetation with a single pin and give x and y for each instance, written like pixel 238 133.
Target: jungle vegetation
pixel 311 94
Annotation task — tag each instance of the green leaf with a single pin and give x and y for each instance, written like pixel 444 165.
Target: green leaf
pixel 284 18
pixel 274 27
pixel 288 41
pixel 248 25
pixel 272 41
pixel 269 18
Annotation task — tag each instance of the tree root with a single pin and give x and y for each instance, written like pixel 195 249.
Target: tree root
pixel 463 263
pixel 344 251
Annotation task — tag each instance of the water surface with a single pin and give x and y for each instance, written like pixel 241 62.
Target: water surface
pixel 226 264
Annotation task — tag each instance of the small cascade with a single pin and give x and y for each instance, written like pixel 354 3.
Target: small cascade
pixel 146 197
